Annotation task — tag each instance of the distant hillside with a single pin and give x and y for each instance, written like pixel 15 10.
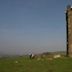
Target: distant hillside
pixel 57 52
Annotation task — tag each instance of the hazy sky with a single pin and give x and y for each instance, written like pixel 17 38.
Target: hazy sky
pixel 32 26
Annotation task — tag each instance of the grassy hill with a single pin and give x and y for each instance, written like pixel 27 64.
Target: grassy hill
pixel 34 65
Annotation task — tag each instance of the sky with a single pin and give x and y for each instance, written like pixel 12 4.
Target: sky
pixel 32 26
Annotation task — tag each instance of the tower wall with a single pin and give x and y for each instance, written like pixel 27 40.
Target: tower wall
pixel 69 31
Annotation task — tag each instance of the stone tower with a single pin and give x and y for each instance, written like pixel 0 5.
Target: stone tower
pixel 69 30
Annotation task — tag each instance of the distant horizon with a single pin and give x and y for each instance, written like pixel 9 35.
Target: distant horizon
pixel 5 54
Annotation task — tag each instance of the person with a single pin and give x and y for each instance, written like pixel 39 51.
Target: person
pixel 32 56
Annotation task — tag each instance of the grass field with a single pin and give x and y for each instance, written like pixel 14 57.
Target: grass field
pixel 33 65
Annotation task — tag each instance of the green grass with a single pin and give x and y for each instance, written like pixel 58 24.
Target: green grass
pixel 33 65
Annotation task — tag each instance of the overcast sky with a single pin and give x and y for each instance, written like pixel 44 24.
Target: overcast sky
pixel 32 26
